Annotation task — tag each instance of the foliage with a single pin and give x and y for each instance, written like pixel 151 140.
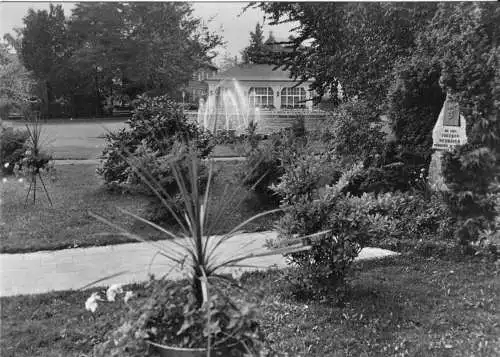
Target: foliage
pixel 35 159
pixel 420 224
pixel 355 132
pixel 355 44
pixel 16 84
pixel 470 174
pixel 171 317
pixel 45 49
pixel 12 147
pixel 258 51
pixel 312 205
pixel 196 247
pixel 465 40
pixel 157 123
pixel 106 49
pixel 415 100
pixel 264 163
pixel 388 178
pixel 159 169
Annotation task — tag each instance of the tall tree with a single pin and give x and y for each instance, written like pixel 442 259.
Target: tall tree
pixel 44 49
pixel 257 51
pixel 170 44
pixel 144 46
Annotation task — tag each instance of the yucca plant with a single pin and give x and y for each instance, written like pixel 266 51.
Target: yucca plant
pixel 196 244
pixel 196 248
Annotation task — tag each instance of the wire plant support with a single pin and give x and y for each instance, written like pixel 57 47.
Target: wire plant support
pixel 33 187
pixel 36 160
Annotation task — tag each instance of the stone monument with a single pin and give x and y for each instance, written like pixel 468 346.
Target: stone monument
pixel 449 132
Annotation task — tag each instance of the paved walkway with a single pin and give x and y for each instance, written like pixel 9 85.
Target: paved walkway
pixel 67 269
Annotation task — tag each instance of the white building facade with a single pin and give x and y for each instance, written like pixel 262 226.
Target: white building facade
pixel 262 87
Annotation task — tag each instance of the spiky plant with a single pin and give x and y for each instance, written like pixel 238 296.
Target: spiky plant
pixel 196 241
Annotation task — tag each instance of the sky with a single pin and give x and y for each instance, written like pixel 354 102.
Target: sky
pixel 225 20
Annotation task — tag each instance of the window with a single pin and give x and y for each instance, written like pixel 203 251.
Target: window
pixel 293 98
pixel 261 97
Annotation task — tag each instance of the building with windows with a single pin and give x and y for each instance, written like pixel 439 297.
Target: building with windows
pixel 262 86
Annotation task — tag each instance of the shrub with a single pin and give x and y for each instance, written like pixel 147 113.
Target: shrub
pixel 158 169
pixel 418 222
pixel 470 174
pixel 12 147
pixel 114 169
pixel 355 132
pixel 158 123
pixel 312 206
pixel 415 100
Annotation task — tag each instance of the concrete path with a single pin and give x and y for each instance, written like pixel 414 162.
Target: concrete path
pixel 67 269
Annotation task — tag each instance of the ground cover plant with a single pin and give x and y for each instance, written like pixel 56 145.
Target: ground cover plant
pixel 399 306
pixel 77 189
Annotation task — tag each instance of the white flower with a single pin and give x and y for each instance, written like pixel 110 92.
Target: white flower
pixel 128 295
pixel 21 180
pixel 91 303
pixel 112 291
pixel 4 180
pixel 6 165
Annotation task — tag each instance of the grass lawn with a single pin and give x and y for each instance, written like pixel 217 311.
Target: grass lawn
pixel 402 306
pixel 67 224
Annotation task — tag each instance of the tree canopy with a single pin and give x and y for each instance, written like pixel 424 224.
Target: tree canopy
pixel 356 44
pixel 107 49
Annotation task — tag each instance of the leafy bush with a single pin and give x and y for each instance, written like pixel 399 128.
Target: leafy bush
pixel 470 174
pixel 150 165
pixel 418 222
pixel 355 132
pixel 12 147
pixel 415 100
pixel 264 164
pixel 313 206
pixel 158 123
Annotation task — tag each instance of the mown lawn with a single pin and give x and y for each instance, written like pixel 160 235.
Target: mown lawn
pixel 402 306
pixel 77 190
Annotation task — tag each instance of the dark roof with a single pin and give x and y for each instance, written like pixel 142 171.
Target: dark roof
pixel 255 72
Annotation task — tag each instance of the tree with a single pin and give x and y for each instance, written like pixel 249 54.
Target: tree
pixel 144 46
pixel 355 44
pixel 257 51
pixel 44 49
pixel 16 84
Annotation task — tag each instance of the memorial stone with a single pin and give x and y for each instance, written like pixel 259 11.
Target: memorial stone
pixel 449 132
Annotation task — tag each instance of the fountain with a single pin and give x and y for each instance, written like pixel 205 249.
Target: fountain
pixel 227 108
